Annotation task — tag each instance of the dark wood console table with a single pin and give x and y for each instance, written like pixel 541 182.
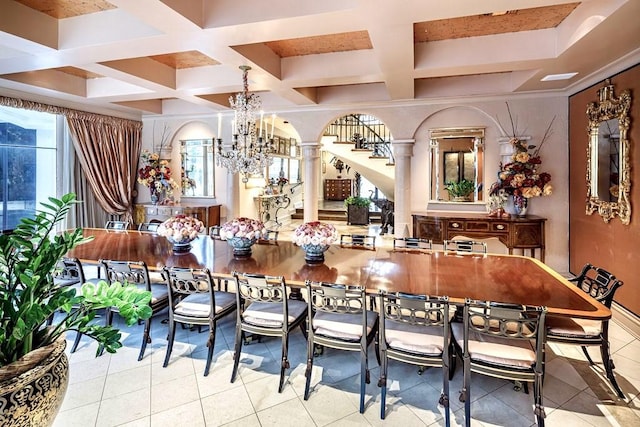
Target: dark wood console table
pixel 513 232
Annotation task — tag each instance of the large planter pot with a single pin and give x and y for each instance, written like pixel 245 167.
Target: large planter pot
pixel 357 215
pixel 32 389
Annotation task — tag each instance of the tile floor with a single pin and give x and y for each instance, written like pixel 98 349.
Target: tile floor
pixel 117 390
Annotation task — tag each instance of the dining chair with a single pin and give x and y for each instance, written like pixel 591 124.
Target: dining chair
pixel 600 285
pixel 151 227
pixel 193 300
pixel 465 246
pixel 502 341
pixel 269 236
pixel 415 329
pixel 358 240
pixel 411 243
pixel 116 225
pixel 137 273
pixel 338 318
pixel 265 310
pixel 214 232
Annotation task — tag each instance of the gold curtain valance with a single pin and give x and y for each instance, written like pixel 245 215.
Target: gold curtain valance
pixel 69 112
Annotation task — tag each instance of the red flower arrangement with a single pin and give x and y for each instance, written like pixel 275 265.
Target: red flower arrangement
pixel 156 175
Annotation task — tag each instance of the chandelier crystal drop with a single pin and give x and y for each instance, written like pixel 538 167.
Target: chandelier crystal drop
pixel 249 152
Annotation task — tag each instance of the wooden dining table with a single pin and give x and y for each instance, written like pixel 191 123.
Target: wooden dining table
pixel 502 278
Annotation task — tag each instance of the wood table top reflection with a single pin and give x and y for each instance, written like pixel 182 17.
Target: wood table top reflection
pixel 504 278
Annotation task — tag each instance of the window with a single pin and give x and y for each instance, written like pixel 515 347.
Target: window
pixel 28 173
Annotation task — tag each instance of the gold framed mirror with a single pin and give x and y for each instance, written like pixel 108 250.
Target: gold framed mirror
pixel 608 165
pixel 457 164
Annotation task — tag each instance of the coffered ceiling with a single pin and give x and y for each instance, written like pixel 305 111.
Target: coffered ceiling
pixel 149 57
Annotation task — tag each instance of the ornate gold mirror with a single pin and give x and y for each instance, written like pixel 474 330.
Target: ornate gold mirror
pixel 457 164
pixel 608 168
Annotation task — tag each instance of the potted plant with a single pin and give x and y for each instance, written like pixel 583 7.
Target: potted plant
pixel 33 365
pixel 460 191
pixel 357 210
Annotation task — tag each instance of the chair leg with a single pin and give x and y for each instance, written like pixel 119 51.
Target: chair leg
pixel 465 394
pixel 364 376
pixel 76 342
pixel 537 397
pixel 608 363
pixel 308 371
pixel 382 383
pixel 146 338
pixel 444 396
pixel 303 328
pixel 586 354
pixel 285 361
pixel 108 322
pixel 238 349
pixel 171 335
pixel 210 344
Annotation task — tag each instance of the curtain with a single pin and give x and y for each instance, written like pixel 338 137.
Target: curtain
pixel 108 150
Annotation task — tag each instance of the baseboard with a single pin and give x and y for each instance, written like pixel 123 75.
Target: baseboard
pixel 629 321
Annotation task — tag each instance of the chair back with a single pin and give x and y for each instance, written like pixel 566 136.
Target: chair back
pixel 358 240
pixel 270 236
pixel 411 243
pixel 186 281
pixel 263 289
pixel 149 226
pixel 68 272
pixel 214 232
pixel 506 321
pixel 117 225
pixel 598 283
pixel 133 272
pixel 465 246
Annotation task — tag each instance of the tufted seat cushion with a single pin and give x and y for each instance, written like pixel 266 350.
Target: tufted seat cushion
pixel 199 305
pixel 346 327
pixel 420 339
pixel 270 314
pixel 568 327
pixel 496 350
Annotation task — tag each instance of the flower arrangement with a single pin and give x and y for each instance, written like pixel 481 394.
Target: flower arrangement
pixel 181 229
pixel 187 183
pixel 521 178
pixel 315 233
pixel 156 175
pixel 242 227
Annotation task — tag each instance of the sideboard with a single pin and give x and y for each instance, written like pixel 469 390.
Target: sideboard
pixel 209 214
pixel 514 232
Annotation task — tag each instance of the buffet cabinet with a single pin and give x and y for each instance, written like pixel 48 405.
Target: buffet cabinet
pixel 210 214
pixel 337 189
pixel 514 232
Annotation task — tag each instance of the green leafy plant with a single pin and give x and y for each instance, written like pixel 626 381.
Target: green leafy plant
pixel 461 188
pixel 357 201
pixel 28 296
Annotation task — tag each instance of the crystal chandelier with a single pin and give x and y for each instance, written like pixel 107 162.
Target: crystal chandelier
pixel 250 152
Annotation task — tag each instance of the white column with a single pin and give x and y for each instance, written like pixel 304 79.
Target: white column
pixel 233 196
pixel 402 152
pixel 311 163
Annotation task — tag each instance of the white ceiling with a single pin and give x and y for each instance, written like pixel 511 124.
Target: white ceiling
pixel 115 44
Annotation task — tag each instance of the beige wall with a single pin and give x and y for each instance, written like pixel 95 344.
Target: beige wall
pixel 612 246
pixel 413 121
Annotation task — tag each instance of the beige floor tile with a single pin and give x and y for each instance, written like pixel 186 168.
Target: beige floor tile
pixel 177 368
pixel 88 369
pixel 82 416
pixel 327 404
pixel 353 420
pixel 264 392
pixel 174 393
pixel 227 406
pixel 127 381
pixel 188 414
pixel 290 413
pixel 249 421
pixel 83 393
pixel 124 408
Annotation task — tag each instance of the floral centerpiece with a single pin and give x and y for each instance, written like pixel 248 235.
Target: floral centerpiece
pixel 181 230
pixel 241 233
pixel 155 174
pixel 521 178
pixel 315 237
